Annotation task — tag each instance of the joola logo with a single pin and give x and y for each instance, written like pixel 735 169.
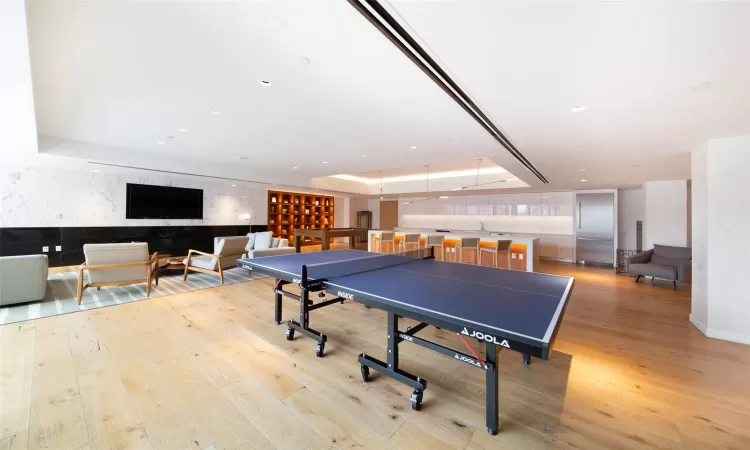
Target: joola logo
pixel 346 296
pixel 467 360
pixel 296 281
pixel 406 337
pixel 485 337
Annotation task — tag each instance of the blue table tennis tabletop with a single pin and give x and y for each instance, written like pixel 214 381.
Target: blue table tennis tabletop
pixel 525 304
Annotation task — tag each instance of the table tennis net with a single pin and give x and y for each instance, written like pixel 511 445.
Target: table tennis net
pixel 338 269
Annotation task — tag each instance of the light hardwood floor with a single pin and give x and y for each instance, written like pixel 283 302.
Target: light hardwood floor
pixel 210 370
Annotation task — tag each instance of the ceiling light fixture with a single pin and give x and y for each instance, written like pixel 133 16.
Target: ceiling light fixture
pixel 265 83
pixel 170 137
pixel 295 167
pixel 244 196
pixel 183 130
pixel 381 184
pixel 234 185
pixel 457 189
pixel 413 147
pixel 364 156
pixel 242 157
pixel 583 179
pixel 583 170
pixel 215 112
pixel 325 162
pixel 577 109
pixel 443 196
pixel 160 142
pixel 95 171
pixel 421 176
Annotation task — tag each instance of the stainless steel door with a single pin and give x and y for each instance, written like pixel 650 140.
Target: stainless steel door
pixel 596 227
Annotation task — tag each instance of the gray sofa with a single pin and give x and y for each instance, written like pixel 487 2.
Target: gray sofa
pixel 23 278
pixel 664 262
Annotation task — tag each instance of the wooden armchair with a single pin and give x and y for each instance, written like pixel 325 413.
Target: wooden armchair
pixel 226 252
pixel 117 265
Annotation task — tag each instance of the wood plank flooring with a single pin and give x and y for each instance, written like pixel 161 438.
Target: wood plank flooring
pixel 210 370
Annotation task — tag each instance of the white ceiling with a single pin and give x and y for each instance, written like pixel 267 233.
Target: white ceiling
pixel 111 79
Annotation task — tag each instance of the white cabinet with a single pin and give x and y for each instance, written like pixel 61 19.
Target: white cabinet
pixel 477 205
pixel 501 204
pixel 565 202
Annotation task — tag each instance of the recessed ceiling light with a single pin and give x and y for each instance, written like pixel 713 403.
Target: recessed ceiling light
pixel 234 185
pixel 583 179
pixel 295 167
pixel 242 157
pixel 265 83
pixel 456 189
pixel 325 162
pixel 578 109
pixel 170 137
pixel 364 156
pixel 512 179
pixel 583 170
pixel 413 147
pixel 443 196
pixel 95 171
pixel 215 112
pixel 183 130
pixel 544 196
pixel 160 142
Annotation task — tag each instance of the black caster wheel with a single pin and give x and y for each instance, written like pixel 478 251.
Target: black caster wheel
pixel 416 400
pixel 368 306
pixel 527 359
pixel 492 431
pixel 319 349
pixel 289 334
pixel 365 372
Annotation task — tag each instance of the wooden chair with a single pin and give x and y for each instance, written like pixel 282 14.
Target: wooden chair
pixel 494 250
pixel 385 237
pixel 410 240
pixel 226 252
pixel 469 244
pixel 117 265
pixel 437 240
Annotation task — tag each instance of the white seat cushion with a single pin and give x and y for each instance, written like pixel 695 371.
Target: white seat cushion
pixel 263 240
pixel 250 241
pixel 202 262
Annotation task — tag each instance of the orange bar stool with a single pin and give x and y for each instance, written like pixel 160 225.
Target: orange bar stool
pixel 469 244
pixel 494 250
pixel 410 240
pixel 437 240
pixel 384 238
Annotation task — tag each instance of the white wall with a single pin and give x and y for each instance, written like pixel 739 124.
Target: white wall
pixel 666 213
pixel 373 205
pixel 721 219
pixel 630 209
pixel 44 197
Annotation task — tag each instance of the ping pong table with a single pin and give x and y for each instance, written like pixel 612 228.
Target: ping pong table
pixel 520 311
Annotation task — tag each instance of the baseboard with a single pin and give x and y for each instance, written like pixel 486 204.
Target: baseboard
pixel 698 324
pixel 716 334
pixel 565 260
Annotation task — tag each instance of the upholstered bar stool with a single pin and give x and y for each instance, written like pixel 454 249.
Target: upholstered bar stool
pixel 437 240
pixel 384 238
pixel 494 250
pixel 471 244
pixel 410 242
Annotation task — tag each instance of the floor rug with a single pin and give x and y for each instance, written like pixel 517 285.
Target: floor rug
pixel 61 293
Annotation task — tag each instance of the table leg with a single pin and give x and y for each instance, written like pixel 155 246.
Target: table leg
pixel 297 244
pixel 324 243
pixel 491 395
pixel 351 241
pixel 277 312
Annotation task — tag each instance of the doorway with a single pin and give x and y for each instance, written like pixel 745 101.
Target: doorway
pixel 388 215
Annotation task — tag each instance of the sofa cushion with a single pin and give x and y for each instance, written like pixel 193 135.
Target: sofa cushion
pixel 271 252
pixel 275 242
pixel 99 254
pixel 263 240
pixel 202 262
pixel 664 261
pixel 22 278
pixel 654 270
pixel 678 253
pixel 250 241
pixel 230 245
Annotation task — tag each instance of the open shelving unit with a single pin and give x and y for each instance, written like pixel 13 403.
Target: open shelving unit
pixel 288 211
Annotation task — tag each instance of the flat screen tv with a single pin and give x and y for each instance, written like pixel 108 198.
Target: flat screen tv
pixel 145 201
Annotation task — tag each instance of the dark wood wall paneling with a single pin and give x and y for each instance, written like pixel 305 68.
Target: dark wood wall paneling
pixel 174 240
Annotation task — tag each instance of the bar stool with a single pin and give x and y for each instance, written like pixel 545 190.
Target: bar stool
pixel 385 237
pixel 494 250
pixel 468 243
pixel 437 240
pixel 410 240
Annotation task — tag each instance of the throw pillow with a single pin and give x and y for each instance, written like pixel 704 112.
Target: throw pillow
pixel 263 240
pixel 250 241
pixel 663 261
pixel 275 242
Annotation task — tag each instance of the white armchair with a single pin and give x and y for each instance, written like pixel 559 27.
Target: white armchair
pixel 23 278
pixel 226 252
pixel 117 265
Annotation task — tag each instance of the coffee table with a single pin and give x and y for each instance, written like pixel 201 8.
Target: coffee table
pixel 172 265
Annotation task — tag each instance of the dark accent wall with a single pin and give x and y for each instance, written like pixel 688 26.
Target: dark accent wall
pixel 174 240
